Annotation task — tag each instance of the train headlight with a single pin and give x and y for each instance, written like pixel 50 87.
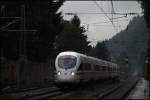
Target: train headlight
pixel 58 72
pixel 72 73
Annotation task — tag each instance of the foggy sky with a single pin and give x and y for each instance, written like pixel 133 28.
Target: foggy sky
pixel 99 30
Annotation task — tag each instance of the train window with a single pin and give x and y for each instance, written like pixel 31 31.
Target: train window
pixel 115 69
pixel 86 66
pixel 109 68
pixel 97 67
pixel 80 67
pixel 104 68
pixel 67 62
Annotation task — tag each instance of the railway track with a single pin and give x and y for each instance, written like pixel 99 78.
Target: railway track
pixel 119 92
pixel 47 95
pixel 122 92
pixel 105 91
pixel 30 93
pixel 96 91
pixel 87 90
pixel 14 89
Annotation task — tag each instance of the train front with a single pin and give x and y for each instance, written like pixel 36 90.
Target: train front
pixel 66 65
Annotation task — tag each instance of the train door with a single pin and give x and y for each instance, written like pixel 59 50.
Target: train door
pixel 84 71
pixel 80 72
pixel 87 71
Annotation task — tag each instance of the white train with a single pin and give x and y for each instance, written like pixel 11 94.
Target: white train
pixel 73 67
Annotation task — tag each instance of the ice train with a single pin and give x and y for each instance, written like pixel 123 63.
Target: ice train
pixel 73 67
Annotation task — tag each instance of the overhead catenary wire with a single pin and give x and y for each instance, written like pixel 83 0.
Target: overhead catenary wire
pixel 14 21
pixel 92 13
pixel 107 22
pixel 111 19
pixel 101 9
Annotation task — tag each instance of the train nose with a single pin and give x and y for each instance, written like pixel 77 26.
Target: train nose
pixel 65 76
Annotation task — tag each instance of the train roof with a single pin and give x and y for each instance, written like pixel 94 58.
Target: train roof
pixel 69 53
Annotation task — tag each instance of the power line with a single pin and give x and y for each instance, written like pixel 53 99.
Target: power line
pixel 118 17
pixel 88 13
pixel 107 21
pixel 14 21
pixel 105 14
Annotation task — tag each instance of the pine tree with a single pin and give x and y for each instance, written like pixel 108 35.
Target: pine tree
pixel 72 37
pixel 100 51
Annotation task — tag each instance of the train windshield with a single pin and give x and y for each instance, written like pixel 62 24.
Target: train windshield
pixel 67 62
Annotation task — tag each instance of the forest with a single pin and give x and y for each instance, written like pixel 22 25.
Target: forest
pixel 132 43
pixel 36 31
